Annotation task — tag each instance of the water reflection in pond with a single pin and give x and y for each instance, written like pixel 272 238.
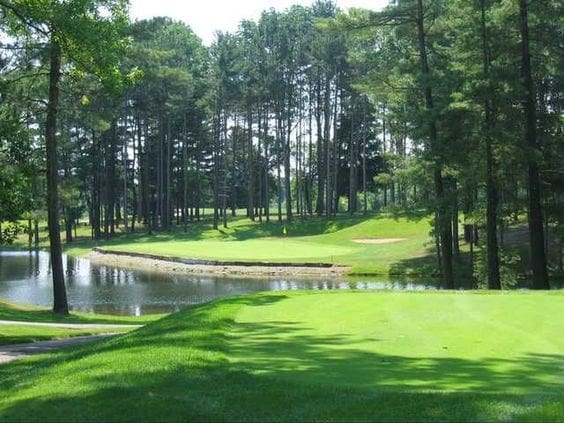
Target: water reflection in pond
pixel 26 278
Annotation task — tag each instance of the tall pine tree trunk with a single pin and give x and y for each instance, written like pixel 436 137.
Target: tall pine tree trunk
pixel 287 171
pixel 364 185
pixel 320 205
pixel 309 184
pixel 125 188
pixel 224 169
pixel 168 213
pixel 536 229
pixel 234 158
pixel 266 167
pixel 336 150
pixel 184 173
pixel 443 220
pixel 160 184
pixel 60 304
pixel 250 166
pixel 111 179
pixel 492 249
pixel 455 224
pixel 352 169
pixel 279 142
pixel 96 190
pixel 326 146
pixel 216 164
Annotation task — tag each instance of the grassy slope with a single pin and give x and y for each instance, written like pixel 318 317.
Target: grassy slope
pixel 28 313
pixel 25 313
pixel 26 334
pixel 315 356
pixel 315 240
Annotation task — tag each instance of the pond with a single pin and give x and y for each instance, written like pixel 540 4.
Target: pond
pixel 25 277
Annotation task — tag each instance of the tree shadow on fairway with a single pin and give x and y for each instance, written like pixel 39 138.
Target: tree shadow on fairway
pixel 308 227
pixel 409 214
pixel 202 364
pixel 288 350
pixel 241 231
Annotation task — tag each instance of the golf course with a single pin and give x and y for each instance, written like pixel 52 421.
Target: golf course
pixel 378 244
pixel 441 356
pixel 281 211
pixel 296 356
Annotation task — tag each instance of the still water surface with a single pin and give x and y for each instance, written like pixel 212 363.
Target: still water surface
pixel 25 277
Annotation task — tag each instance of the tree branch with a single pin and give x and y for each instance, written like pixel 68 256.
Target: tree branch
pixel 7 5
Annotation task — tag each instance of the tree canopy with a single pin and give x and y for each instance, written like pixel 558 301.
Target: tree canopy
pixel 453 107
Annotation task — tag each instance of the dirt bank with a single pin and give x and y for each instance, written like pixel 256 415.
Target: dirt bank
pixel 201 267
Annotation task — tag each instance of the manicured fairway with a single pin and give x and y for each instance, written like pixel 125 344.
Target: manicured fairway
pixel 335 356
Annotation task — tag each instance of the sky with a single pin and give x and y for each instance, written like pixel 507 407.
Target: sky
pixel 207 16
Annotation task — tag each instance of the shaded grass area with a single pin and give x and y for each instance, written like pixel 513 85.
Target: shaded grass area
pixel 27 334
pixel 29 313
pixel 312 356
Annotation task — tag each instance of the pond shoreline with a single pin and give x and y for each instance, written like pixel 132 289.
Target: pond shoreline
pixel 215 268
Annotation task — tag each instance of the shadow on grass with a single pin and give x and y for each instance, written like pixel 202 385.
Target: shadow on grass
pixel 201 364
pixel 242 230
pixel 297 228
pixel 409 214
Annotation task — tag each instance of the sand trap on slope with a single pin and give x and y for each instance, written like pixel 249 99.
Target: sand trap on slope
pixel 377 240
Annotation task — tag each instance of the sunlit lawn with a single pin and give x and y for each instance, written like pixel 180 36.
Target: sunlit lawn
pixel 336 356
pixel 315 240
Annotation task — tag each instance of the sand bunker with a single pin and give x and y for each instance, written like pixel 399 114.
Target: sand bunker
pixel 377 240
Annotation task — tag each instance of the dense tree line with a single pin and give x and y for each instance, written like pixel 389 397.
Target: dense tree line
pixel 475 89
pixel 451 106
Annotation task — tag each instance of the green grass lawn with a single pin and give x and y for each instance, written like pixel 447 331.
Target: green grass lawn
pixel 335 356
pixel 268 250
pixel 26 334
pixel 315 240
pixel 28 313
pixel 10 334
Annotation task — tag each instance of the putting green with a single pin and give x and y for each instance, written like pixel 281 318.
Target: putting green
pixel 274 250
